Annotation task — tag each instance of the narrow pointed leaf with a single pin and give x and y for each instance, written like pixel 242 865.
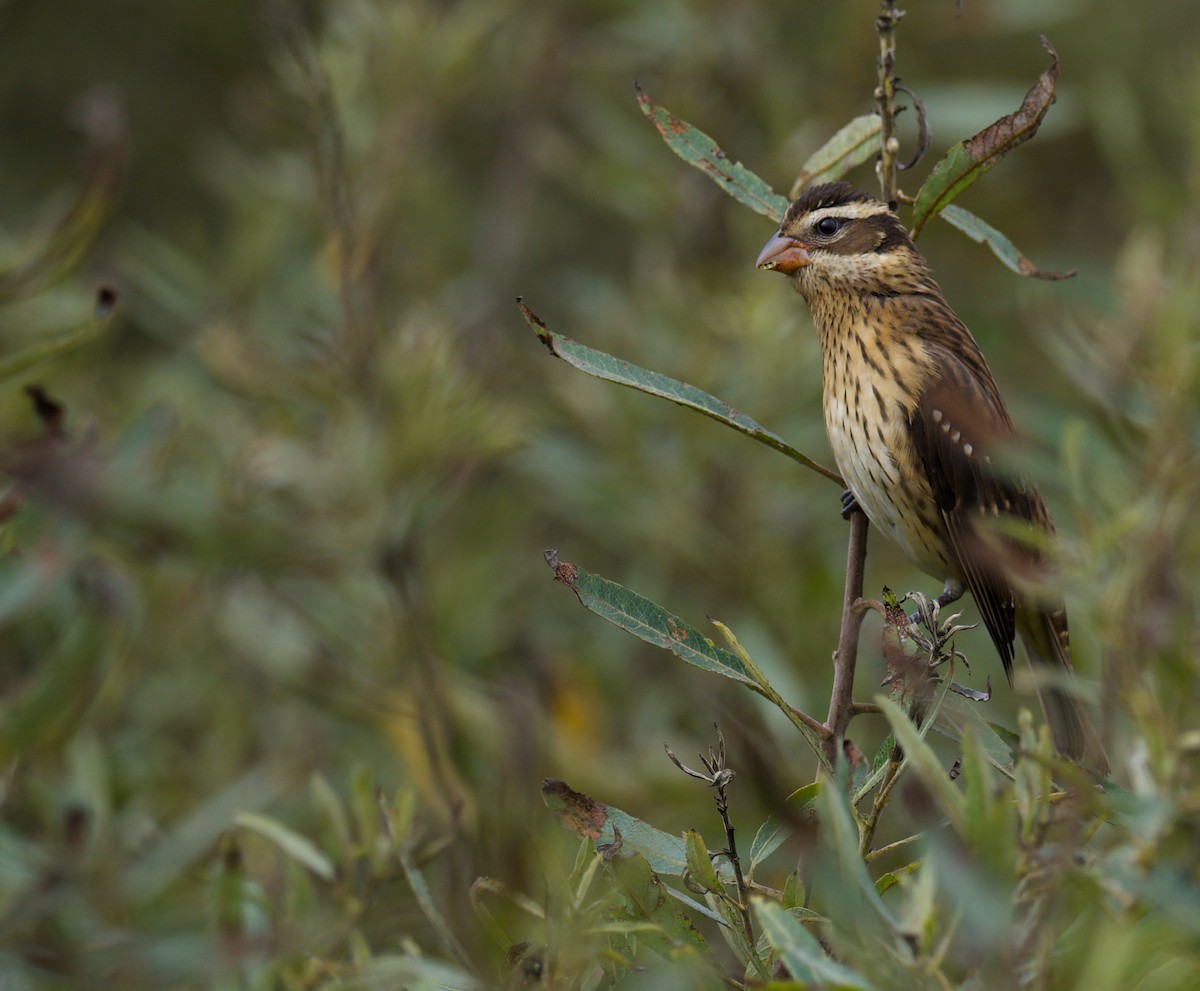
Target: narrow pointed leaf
pixel 62 343
pixel 699 864
pixel 851 146
pixel 983 232
pixel 698 149
pixel 954 717
pixel 769 838
pixel 605 366
pixel 648 899
pixel 925 763
pixel 649 621
pixel 77 228
pixel 800 952
pixel 300 848
pixel 840 831
pixel 593 819
pixel 968 160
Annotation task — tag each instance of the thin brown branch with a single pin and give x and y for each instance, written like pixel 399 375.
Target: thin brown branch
pixel 892 775
pixel 841 699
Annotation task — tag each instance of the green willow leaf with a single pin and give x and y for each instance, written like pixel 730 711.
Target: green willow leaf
pixel 957 715
pixel 968 160
pixel 670 931
pixel 77 228
pixel 700 866
pixel 300 848
pixel 698 149
pixel 851 146
pixel 801 953
pixel 605 366
pixel 605 825
pixel 63 343
pixel 649 621
pixel 984 233
pixel 925 763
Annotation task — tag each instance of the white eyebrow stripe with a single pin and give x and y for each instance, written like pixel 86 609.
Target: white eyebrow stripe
pixel 847 211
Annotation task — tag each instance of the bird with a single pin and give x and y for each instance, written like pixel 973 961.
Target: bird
pixel 921 433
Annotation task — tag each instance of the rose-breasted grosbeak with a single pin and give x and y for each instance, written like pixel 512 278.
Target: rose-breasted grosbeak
pixel 919 429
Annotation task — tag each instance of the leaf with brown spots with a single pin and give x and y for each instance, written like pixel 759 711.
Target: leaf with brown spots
pixel 983 232
pixel 585 816
pixel 579 813
pixel 968 160
pixel 698 149
pixel 649 621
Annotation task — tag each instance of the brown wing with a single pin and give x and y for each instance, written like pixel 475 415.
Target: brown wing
pixel 957 427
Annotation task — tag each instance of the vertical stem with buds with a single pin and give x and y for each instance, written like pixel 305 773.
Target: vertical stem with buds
pixel 841 700
pixel 885 97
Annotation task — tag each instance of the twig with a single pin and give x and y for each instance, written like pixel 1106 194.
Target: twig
pixel 895 765
pixel 719 776
pixel 841 699
pixel 885 96
pixel 892 847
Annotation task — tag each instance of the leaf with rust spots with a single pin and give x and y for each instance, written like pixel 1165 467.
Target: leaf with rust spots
pixel 575 811
pixel 605 824
pixel 605 366
pixel 968 160
pixel 983 232
pixel 649 621
pixel 698 149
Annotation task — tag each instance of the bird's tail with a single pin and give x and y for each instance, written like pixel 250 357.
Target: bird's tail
pixel 1044 633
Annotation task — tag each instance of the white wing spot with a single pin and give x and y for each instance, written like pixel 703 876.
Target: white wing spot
pixel 937 416
pixel 956 436
pixel 968 450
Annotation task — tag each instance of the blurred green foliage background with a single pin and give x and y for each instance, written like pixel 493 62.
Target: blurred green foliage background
pixel 296 525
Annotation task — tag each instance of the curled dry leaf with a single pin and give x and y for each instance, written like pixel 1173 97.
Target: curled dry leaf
pixel 968 160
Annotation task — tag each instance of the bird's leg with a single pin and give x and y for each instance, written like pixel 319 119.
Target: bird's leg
pixel 849 504
pixel 952 591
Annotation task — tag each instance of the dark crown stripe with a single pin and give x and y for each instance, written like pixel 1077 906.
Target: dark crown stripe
pixel 825 195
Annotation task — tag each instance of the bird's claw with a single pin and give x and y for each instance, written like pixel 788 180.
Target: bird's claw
pixel 849 504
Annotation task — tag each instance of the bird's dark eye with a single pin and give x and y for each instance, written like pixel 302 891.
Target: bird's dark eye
pixel 828 226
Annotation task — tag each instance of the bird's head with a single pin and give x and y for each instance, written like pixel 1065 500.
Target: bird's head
pixel 837 239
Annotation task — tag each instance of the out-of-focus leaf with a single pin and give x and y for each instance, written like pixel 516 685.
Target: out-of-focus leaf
pixel 968 160
pixel 300 848
pixel 840 831
pixel 605 366
pixel 851 146
pixel 769 838
pixel 60 344
pixel 954 717
pixel 794 891
pixel 892 878
pixel 1002 247
pixel 648 899
pixel 649 621
pixel 916 918
pixel 420 890
pixel 81 223
pixel 800 952
pixel 698 149
pixel 411 972
pixel 700 867
pixel 585 816
pixel 801 797
pixel 924 761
